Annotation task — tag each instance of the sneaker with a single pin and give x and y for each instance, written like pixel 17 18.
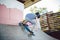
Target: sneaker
pixel 32 34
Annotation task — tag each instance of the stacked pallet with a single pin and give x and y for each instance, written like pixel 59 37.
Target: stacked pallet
pixel 53 21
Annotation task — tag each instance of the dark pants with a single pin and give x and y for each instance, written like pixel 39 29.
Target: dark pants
pixel 27 28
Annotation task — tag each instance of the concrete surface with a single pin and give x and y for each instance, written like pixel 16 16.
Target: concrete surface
pixel 11 32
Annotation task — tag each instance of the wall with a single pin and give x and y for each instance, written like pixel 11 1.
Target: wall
pixel 11 12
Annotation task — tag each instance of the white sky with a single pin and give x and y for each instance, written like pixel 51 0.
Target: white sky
pixel 51 5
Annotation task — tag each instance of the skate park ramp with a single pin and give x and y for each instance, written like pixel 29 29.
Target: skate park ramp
pixel 13 32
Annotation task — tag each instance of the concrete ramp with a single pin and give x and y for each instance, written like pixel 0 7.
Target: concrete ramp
pixel 10 32
pixel 40 35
